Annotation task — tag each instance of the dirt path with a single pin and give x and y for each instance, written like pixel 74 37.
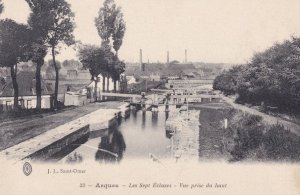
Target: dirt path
pixel 272 120
pixel 16 131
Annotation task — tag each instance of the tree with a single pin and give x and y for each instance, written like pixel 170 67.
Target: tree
pixel 110 25
pixel 227 81
pixel 40 21
pixel 1 7
pixel 272 78
pixel 117 36
pixel 50 70
pixel 119 30
pixel 61 31
pixel 93 58
pixel 105 22
pixel 118 69
pixel 14 44
pixel 52 23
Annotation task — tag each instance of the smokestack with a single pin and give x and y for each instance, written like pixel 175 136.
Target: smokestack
pixel 168 58
pixel 141 56
pixel 185 59
pixel 141 60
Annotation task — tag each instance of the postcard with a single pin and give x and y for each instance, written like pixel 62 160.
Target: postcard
pixel 150 97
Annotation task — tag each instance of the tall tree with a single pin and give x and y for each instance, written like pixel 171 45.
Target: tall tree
pixel 117 36
pixel 110 25
pixel 106 20
pixel 40 21
pixel 52 22
pixel 93 58
pixel 119 30
pixel 14 44
pixel 60 31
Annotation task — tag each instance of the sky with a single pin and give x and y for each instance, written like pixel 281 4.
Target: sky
pixel 217 31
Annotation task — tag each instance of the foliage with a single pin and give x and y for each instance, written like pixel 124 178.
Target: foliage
pixel 14 44
pixel 272 78
pixel 94 59
pixel 281 144
pixel 117 68
pixel 40 25
pixel 105 22
pixel 119 30
pixel 248 132
pixel 111 25
pixel 52 22
pixel 1 7
pixel 255 140
pixel 228 80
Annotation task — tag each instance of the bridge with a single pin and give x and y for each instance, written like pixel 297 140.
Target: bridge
pixel 120 95
pixel 124 95
pixel 163 99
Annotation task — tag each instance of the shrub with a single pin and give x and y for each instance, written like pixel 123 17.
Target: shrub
pixel 281 144
pixel 248 134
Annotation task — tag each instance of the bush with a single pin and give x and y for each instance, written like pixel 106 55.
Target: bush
pixel 253 139
pixel 280 144
pixel 248 133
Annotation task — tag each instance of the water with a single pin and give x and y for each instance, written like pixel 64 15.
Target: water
pixel 142 135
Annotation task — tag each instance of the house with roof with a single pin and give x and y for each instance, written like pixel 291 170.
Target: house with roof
pixel 27 93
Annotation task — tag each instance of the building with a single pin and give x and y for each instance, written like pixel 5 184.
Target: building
pixel 131 80
pixel 27 93
pixel 154 77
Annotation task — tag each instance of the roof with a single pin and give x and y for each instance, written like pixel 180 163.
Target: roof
pixel 26 84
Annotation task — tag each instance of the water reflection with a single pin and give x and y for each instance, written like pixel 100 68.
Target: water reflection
pixel 167 114
pixel 111 148
pixel 154 118
pixel 143 120
pixel 133 114
pixel 142 134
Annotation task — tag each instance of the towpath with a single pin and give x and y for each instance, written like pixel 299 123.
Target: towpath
pixel 272 120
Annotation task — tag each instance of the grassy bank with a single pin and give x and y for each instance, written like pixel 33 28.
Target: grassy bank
pixel 212 133
pixel 252 140
pixel 247 138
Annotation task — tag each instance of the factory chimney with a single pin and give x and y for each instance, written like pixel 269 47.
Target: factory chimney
pixel 141 60
pixel 141 56
pixel 185 58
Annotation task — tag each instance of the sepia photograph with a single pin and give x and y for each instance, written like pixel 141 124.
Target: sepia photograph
pixel 150 97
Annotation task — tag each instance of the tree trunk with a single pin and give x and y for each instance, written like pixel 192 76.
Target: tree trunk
pixel 96 90
pixel 115 86
pixel 107 84
pixel 103 83
pixel 56 79
pixel 13 72
pixel 38 86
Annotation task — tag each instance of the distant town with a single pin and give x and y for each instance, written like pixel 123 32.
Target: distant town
pixel 73 77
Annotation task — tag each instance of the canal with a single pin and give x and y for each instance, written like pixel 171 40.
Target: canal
pixel 141 136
